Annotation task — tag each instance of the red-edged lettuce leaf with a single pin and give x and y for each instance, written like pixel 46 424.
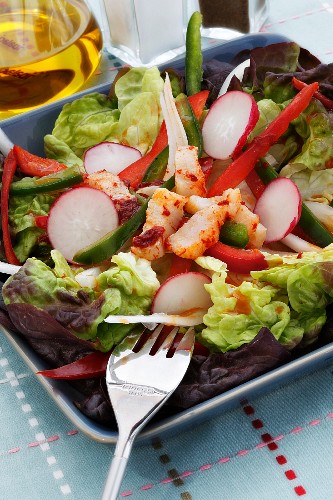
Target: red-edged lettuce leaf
pixel 219 372
pixel 49 339
pixel 214 74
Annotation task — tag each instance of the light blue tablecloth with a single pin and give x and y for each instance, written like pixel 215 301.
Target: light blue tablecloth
pixel 278 446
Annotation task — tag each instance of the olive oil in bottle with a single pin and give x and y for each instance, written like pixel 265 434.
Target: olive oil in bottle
pixel 48 49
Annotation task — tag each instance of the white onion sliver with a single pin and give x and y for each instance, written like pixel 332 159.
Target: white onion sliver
pixel 298 244
pixel 159 318
pixel 8 268
pixel 5 143
pixel 175 129
pixel 323 212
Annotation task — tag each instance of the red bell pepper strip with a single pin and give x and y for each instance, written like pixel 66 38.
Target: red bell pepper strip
pixel 91 365
pixel 198 102
pixel 238 260
pixel 179 265
pixel 326 101
pixel 134 173
pixel 239 169
pixel 200 349
pixel 255 183
pixel 33 165
pixel 9 169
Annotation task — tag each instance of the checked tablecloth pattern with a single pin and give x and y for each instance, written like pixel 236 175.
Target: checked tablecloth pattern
pixel 277 446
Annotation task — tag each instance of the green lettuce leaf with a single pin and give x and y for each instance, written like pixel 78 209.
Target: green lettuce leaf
pixel 289 298
pixel 26 241
pixel 139 123
pixel 136 81
pixel 83 123
pixel 316 126
pixel 22 211
pixel 268 111
pixel 314 185
pixel 60 151
pixel 92 119
pixel 238 314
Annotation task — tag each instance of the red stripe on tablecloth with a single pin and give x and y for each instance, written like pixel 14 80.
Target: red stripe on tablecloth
pixel 269 441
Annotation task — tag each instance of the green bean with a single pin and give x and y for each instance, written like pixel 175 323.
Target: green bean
pixel 193 57
pixel 190 122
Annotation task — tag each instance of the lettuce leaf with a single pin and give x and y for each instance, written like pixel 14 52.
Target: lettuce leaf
pixel 22 211
pixel 139 123
pixel 126 288
pixel 135 82
pixel 238 314
pixel 92 119
pixel 290 298
pixel 84 123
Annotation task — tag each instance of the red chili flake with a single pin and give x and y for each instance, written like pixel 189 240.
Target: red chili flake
pixel 149 237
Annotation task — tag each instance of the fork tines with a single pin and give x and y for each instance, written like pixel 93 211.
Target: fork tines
pixel 164 338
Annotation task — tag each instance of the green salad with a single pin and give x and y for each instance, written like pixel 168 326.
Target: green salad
pixel 176 200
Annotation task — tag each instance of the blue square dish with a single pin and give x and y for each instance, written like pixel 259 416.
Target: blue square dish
pixel 28 130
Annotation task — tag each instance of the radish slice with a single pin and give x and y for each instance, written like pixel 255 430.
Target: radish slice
pixel 109 156
pixel 182 293
pixel 79 218
pixel 279 208
pixel 238 72
pixel 228 123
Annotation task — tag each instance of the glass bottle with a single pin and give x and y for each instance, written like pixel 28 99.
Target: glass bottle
pixel 48 49
pixel 145 32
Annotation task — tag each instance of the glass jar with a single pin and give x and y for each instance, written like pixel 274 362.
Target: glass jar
pixel 227 19
pixel 145 32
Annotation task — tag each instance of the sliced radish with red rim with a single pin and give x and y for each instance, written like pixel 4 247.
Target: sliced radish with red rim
pixel 228 124
pixel 80 217
pixel 109 156
pixel 279 208
pixel 181 293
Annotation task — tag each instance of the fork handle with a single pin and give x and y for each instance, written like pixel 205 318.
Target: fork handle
pixel 115 476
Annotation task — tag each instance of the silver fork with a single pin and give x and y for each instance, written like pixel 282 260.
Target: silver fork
pixel 139 383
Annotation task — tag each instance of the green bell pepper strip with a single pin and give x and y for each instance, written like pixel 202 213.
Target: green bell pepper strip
pixel 107 246
pixel 157 168
pixel 193 57
pixel 71 176
pixel 190 122
pixel 308 222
